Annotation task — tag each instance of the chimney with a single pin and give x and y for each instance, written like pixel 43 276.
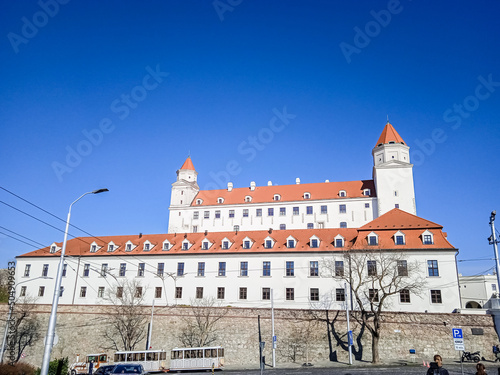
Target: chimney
pixel 140 235
pixel 297 181
pixel 270 230
pixel 206 232
pixel 229 186
pixel 269 183
pixel 252 185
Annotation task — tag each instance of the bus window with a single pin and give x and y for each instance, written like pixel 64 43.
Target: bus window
pixel 117 358
pixel 155 357
pixel 163 356
pixel 103 358
pixel 149 356
pixel 208 353
pixel 142 356
pixel 214 353
pixel 221 352
pixel 200 353
pixel 129 357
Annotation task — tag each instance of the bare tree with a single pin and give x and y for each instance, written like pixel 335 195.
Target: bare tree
pixel 375 278
pixel 201 327
pixel 26 329
pixel 126 324
pixel 296 343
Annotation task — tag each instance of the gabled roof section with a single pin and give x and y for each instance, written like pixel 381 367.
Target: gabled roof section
pixel 389 134
pixel 265 194
pixel 188 164
pixel 399 219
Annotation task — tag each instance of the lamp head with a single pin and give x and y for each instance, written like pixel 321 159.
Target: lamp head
pixel 99 191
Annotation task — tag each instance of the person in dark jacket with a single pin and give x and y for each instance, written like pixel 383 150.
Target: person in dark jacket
pixel 437 367
pixel 91 367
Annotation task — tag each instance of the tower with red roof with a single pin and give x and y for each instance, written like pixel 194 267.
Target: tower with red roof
pixel 393 173
pixel 183 190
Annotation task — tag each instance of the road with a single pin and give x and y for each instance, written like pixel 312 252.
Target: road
pixel 453 369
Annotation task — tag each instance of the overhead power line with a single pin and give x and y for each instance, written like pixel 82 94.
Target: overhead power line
pixel 17 239
pixel 20 235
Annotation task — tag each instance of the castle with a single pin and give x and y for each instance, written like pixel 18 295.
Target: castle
pixel 242 245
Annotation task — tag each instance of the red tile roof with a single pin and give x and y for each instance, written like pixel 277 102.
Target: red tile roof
pixel 389 134
pixel 399 219
pixel 188 164
pixel 288 193
pixel 386 226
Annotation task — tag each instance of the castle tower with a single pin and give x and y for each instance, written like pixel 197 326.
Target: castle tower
pixel 393 173
pixel 183 192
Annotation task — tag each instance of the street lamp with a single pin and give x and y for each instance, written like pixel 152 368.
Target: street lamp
pixel 49 339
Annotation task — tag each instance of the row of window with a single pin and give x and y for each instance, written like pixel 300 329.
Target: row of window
pixel 314 295
pixel 277 197
pixel 371 266
pixel 271 211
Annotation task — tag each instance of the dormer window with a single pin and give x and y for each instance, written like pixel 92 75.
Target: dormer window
pixel 225 244
pixel 112 246
pixel 372 239
pixel 247 243
pixel 186 245
pixel 307 195
pixel 342 193
pixel 53 248
pixel 314 242
pixel 277 197
pixel 129 247
pixel 94 247
pixel 220 200
pixel 166 245
pixel 205 245
pixel 199 201
pixel 427 238
pixel 339 241
pixel 268 242
pixel 399 238
pixel 147 246
pixel 366 192
pixel 291 242
pixel 248 198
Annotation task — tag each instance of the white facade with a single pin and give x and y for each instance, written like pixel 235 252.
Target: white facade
pixel 476 292
pixel 90 290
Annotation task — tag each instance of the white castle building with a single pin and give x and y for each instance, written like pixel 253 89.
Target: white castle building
pixel 235 245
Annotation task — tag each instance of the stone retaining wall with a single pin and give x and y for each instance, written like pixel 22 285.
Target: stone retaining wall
pixel 307 335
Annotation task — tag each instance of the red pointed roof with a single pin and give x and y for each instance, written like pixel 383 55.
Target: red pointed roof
pixel 188 164
pixel 399 219
pixel 389 134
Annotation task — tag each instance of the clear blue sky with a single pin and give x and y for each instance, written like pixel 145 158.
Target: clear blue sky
pixel 150 82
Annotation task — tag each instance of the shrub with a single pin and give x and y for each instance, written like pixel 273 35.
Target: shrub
pixel 60 364
pixel 17 369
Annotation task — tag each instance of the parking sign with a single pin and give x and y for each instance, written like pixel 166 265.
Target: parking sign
pixel 457 333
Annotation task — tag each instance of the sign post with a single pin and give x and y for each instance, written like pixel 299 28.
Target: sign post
pixel 458 340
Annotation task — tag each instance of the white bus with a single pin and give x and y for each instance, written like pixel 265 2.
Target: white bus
pixel 151 360
pixel 205 358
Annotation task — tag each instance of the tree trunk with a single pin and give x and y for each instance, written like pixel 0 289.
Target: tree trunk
pixel 375 354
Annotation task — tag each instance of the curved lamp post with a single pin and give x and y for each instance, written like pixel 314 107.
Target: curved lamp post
pixel 49 338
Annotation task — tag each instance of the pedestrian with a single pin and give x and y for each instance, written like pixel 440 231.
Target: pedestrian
pixel 481 370
pixel 437 367
pixel 91 367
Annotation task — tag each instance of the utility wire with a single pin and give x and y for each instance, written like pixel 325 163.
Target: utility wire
pixel 20 235
pixel 17 239
pixel 47 212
